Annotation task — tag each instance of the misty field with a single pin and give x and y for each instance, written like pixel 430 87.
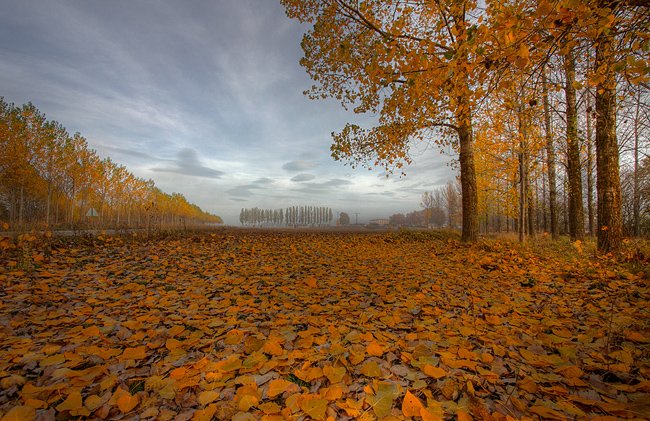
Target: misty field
pixel 251 324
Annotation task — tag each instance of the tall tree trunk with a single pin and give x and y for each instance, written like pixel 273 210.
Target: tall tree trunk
pixel 608 183
pixel 463 116
pixel 590 169
pixel 550 161
pixel 576 209
pixel 636 200
pixel 523 178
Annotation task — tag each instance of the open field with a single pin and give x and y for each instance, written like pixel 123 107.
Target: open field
pixel 248 324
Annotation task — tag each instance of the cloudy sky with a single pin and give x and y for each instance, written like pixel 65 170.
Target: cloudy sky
pixel 204 97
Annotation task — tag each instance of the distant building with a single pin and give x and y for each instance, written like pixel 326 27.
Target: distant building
pixel 382 222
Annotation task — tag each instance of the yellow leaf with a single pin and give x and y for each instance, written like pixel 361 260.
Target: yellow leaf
pixel 71 403
pixel 35 403
pixel 435 372
pixel 206 414
pixel 332 393
pixel 382 401
pixel 234 337
pixel 137 353
pixel 126 402
pixel 175 330
pixel 52 360
pixel 208 396
pixel 167 392
pixel 20 413
pixel 334 374
pixel 375 349
pixel 51 349
pixel 93 402
pixel 314 407
pixel 172 344
pixel 371 369
pixel 277 387
pixel 411 405
pixel 272 348
pixel 546 412
pixel 247 401
pixel 269 408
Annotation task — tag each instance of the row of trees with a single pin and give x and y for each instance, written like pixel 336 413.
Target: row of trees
pixel 505 82
pixel 291 216
pixel 50 177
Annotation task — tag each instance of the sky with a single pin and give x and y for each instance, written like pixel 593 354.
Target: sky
pixel 205 97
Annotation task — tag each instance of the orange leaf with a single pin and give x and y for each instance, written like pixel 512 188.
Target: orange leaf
pixel 375 349
pixel 93 402
pixel 234 337
pixel 272 348
pixel 371 369
pixel 20 413
pixel 277 387
pixel 411 405
pixel 178 373
pixel 137 353
pixel 71 403
pixel 205 414
pixel 311 282
pixel 334 374
pixel 53 360
pixel 126 402
pixel 435 372
pixel 314 407
pixel 208 396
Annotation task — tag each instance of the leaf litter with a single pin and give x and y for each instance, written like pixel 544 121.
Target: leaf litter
pixel 313 325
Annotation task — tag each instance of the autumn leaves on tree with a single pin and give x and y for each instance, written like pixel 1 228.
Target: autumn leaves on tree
pixel 50 177
pixel 432 71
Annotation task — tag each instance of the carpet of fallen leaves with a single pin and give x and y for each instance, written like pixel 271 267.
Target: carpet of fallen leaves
pixel 270 325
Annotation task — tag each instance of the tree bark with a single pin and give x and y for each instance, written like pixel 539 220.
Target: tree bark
pixel 468 183
pixel 610 223
pixel 550 161
pixel 463 114
pixel 636 200
pixel 590 169
pixel 523 178
pixel 576 209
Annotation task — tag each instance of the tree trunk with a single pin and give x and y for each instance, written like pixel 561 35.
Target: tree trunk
pixel 610 224
pixel 576 209
pixel 523 178
pixel 590 169
pixel 636 200
pixel 463 116
pixel 550 158
pixel 468 183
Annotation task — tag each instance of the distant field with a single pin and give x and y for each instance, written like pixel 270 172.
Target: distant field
pixel 276 324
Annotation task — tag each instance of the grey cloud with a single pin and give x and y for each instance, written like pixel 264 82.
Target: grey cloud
pixel 325 187
pixel 241 191
pixel 303 177
pixel 187 163
pixel 335 182
pixel 247 190
pixel 299 165
pixel 127 152
pixel 264 181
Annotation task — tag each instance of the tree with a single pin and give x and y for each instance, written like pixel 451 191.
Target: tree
pixel 344 219
pixel 413 63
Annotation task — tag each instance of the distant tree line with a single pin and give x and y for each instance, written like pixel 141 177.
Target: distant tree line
pixel 291 216
pixel 48 177
pixel 441 208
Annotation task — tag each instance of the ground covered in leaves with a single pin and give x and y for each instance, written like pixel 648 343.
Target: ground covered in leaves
pixel 305 325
